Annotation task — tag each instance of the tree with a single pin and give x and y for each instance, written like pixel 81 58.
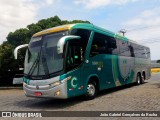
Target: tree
pixel 33 28
pixel 7 58
pixel 18 37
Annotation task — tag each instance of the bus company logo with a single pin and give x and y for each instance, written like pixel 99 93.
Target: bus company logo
pixel 73 83
pixel 6 114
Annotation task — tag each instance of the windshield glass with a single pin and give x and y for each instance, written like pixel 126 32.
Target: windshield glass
pixel 42 57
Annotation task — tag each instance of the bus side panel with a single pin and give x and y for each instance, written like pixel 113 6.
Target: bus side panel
pixel 74 85
pixel 143 65
pixel 106 74
pixel 99 66
pixel 123 70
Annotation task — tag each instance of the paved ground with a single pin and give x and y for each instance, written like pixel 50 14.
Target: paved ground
pixel 144 97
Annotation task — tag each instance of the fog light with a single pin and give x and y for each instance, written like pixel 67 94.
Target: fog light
pixel 57 92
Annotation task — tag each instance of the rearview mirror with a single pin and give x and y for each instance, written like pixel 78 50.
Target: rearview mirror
pixel 61 42
pixel 17 48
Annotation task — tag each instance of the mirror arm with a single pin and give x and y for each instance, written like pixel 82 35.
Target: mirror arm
pixel 62 41
pixel 17 48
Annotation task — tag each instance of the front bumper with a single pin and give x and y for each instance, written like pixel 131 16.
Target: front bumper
pixel 47 91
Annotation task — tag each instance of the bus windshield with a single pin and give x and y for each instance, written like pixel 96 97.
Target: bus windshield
pixel 41 57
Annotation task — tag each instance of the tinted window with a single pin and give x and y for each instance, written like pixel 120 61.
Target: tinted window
pixel 103 44
pixel 137 50
pixel 84 34
pixel 76 48
pixel 74 55
pixel 98 45
pixel 112 46
pixel 131 48
pixel 148 53
pixel 124 48
pixel 145 53
pixel 140 51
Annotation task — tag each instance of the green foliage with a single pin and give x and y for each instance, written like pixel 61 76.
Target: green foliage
pixel 22 36
pixel 33 28
pixel 7 61
pixel 18 37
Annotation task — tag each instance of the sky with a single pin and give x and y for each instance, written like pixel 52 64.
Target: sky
pixel 139 18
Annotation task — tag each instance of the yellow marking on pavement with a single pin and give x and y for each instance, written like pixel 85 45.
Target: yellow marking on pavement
pixel 155 70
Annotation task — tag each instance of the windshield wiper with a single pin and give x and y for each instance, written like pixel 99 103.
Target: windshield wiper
pixel 34 65
pixel 36 62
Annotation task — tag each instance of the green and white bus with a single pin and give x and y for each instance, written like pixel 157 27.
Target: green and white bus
pixel 81 59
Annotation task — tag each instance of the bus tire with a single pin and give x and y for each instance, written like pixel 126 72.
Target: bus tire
pixel 143 78
pixel 91 90
pixel 138 79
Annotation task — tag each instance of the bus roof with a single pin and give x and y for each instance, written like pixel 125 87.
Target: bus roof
pixel 80 25
pixel 68 27
pixel 54 29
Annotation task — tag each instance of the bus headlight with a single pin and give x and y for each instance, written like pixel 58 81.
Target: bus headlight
pixel 60 82
pixel 56 83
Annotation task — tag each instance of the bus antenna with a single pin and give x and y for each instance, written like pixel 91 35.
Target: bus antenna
pixel 123 31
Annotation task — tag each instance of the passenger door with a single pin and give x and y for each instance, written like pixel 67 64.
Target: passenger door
pixel 73 62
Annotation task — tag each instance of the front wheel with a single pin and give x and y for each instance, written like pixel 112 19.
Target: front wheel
pixel 91 91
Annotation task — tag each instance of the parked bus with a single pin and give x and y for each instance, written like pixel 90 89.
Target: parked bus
pixel 81 59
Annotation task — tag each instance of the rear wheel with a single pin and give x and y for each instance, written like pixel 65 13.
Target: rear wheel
pixel 91 90
pixel 138 81
pixel 143 78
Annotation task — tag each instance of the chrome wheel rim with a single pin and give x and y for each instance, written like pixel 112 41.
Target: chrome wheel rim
pixel 91 89
pixel 138 80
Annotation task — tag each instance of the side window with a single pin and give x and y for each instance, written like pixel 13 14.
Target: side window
pixel 139 51
pixel 124 48
pixel 148 52
pixel 84 34
pixel 143 52
pixel 112 45
pixel 136 50
pixel 132 50
pixel 74 55
pixel 98 45
pixel 103 44
pixel 76 48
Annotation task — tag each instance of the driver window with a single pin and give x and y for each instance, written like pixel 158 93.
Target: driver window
pixel 74 55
